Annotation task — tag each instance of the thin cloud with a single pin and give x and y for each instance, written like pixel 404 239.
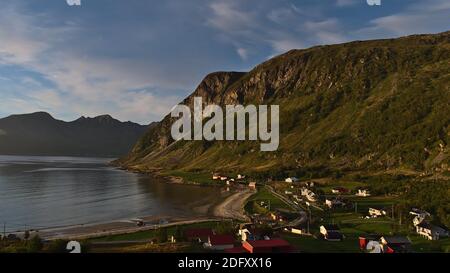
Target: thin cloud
pixel 86 61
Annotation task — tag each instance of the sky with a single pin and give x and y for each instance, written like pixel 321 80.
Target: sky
pixel 136 59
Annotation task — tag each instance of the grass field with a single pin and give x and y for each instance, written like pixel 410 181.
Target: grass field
pixel 351 185
pixel 264 195
pixel 310 244
pixel 203 178
pixel 421 244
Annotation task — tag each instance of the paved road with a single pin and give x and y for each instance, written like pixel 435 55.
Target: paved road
pixel 303 215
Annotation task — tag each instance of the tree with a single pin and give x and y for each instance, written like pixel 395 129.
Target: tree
pixel 178 234
pixel 162 235
pixel 224 228
pixel 26 235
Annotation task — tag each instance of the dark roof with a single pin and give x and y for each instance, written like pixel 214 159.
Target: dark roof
pixel 269 243
pixel 257 231
pixel 397 240
pixel 373 237
pixel 432 227
pixel 424 225
pixel 397 248
pixel 198 232
pixel 331 227
pixel 221 239
pixel 334 235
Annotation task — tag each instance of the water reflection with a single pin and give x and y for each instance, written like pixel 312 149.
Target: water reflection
pixel 50 191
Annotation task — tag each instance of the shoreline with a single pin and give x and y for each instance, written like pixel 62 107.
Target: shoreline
pixel 231 207
pixel 91 231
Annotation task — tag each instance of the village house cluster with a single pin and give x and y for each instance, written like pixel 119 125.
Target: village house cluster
pixel 249 239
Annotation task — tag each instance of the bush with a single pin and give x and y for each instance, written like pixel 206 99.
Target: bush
pixel 162 235
pixel 58 246
pixel 35 244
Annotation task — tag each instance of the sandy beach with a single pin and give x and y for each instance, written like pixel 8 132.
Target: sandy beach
pixel 232 207
pixel 113 228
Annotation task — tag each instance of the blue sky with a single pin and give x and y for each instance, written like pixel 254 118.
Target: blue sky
pixel 135 59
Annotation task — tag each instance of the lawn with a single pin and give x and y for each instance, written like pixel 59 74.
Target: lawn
pixel 351 185
pixel 264 195
pixel 309 244
pixel 421 244
pixel 146 248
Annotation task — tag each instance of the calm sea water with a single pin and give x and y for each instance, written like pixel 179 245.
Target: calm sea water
pixel 39 192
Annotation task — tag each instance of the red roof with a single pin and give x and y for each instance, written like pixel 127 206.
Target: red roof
pixel 221 240
pixel 236 250
pixel 268 246
pixel 198 232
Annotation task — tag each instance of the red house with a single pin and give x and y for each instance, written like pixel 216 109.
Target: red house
pixel 220 242
pixel 364 240
pixel 267 246
pixel 236 250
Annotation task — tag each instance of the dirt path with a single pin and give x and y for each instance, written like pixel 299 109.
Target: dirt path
pixel 233 206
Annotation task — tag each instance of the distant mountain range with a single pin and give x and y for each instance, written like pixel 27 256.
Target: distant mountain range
pixel 365 105
pixel 41 134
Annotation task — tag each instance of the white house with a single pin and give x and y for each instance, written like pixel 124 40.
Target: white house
pixel 331 203
pixel 297 230
pixel 291 179
pixel 251 233
pixel 331 233
pixel 240 176
pixel 420 216
pixel 431 232
pixel 363 193
pixel 377 212
pixel 311 196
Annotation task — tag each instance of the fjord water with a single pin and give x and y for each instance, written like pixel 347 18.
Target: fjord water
pixel 41 192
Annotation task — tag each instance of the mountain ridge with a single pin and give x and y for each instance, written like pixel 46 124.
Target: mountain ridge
pixel 380 104
pixel 40 133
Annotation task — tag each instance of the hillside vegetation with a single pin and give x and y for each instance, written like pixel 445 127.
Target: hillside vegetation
pixel 378 105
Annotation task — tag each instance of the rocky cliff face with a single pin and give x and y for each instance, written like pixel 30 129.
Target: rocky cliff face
pixel 363 105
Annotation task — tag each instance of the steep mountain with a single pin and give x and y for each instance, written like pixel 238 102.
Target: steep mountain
pixel 372 105
pixel 41 134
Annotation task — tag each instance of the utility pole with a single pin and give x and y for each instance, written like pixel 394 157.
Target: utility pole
pixel 4 230
pixel 309 220
pixel 356 207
